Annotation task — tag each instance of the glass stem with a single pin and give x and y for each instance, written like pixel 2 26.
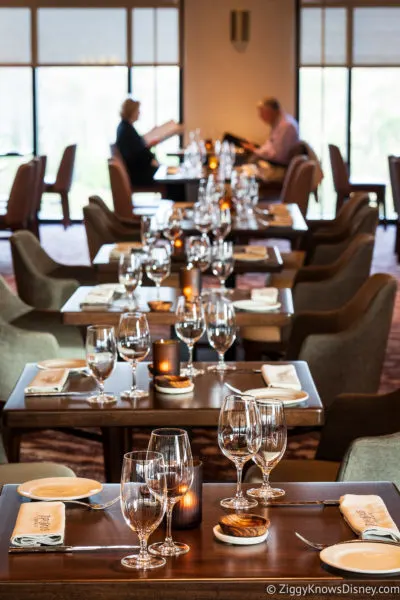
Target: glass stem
pixel 265 484
pixel 101 387
pixel 190 361
pixel 239 492
pixel 221 359
pixel 134 386
pixel 143 556
pixel 158 290
pixel 168 536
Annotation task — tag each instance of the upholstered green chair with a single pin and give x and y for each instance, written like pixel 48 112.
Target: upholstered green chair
pixel 21 472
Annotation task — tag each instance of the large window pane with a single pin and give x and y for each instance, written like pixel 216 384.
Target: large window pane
pixel 323 36
pixel 376 36
pixel 323 120
pixel 79 105
pixel 375 127
pixel 311 36
pixel 82 35
pixel 16 110
pixel 15 35
pixel 167 29
pixel 143 36
pixel 155 36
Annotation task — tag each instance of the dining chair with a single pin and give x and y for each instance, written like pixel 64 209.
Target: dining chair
pixel 120 223
pixel 345 348
pixel 63 182
pixel 115 153
pixel 394 170
pixel 16 214
pixel 337 229
pixel 344 187
pixel 120 188
pixel 299 184
pixel 37 195
pixel 17 473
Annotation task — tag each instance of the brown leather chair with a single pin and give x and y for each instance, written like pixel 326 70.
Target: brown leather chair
pixel 115 153
pixel 133 222
pixel 344 187
pixel 345 348
pixel 120 188
pixel 63 182
pixel 394 169
pixel 37 197
pixel 289 176
pixel 16 214
pixel 299 183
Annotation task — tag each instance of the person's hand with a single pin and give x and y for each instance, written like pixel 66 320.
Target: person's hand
pixel 248 146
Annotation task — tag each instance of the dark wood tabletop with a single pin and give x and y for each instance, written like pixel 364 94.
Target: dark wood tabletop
pixel 211 570
pixel 73 314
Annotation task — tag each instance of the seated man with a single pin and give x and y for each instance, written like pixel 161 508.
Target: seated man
pixel 284 134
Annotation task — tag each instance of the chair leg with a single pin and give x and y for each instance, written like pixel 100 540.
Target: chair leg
pixel 381 201
pixel 65 209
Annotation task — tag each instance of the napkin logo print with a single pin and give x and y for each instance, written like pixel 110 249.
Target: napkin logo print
pixel 42 522
pixel 368 518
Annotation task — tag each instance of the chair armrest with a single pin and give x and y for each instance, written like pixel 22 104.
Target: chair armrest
pixel 85 274
pixel 312 273
pixel 310 323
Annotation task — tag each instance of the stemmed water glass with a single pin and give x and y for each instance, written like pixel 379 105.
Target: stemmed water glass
pixel 239 438
pixel 272 448
pixel 174 445
pixel 158 266
pixel 222 262
pixel 130 274
pixel 221 329
pixel 101 355
pixel 189 328
pixel 173 226
pixel 198 252
pixel 221 222
pixel 133 346
pixel 148 235
pixel 143 502
pixel 202 217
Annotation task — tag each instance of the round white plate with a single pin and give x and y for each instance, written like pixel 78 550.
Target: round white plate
pixel 255 306
pixel 174 391
pixel 287 397
pixel 238 541
pixel 73 364
pixel 371 558
pixel 60 488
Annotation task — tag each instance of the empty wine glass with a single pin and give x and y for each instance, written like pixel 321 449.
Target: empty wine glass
pixel 202 217
pixel 272 448
pixel 143 502
pixel 221 329
pixel 101 355
pixel 189 328
pixel 148 234
pixel 221 222
pixel 133 346
pixel 222 262
pixel 130 274
pixel 158 266
pixel 174 445
pixel 239 438
pixel 198 252
pixel 173 226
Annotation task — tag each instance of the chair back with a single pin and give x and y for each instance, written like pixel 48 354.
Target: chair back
pixel 301 184
pixel 120 188
pixel 340 173
pixel 394 169
pixel 348 211
pixel 355 416
pixel 66 169
pixel 21 197
pixel 11 306
pixel 38 188
pixel 115 152
pixel 372 459
pixel 97 227
pixel 288 181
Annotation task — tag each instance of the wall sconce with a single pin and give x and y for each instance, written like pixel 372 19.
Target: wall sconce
pixel 240 29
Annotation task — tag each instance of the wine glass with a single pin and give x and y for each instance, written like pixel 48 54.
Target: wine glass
pixel 222 262
pixel 198 252
pixel 221 222
pixel 148 235
pixel 143 502
pixel 174 445
pixel 189 328
pixel 202 217
pixel 133 346
pixel 173 226
pixel 130 274
pixel 239 438
pixel 221 329
pixel 272 448
pixel 101 355
pixel 158 266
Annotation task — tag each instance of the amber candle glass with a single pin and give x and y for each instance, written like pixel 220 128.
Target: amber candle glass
pixel 188 512
pixel 166 359
pixel 190 282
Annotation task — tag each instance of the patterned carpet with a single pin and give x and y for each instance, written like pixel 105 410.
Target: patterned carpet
pixel 85 457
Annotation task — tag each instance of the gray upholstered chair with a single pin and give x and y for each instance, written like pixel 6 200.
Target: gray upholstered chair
pixel 41 281
pixel 122 225
pixel 345 348
pixel 372 459
pixel 327 287
pixel 20 472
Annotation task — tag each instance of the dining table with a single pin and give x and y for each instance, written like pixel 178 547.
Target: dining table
pixel 281 567
pixel 200 408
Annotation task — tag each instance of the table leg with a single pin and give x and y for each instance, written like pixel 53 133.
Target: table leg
pixel 12 443
pixel 115 444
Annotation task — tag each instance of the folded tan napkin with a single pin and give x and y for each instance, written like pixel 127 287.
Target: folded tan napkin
pixel 99 296
pixel 279 209
pixel 39 524
pixel 368 517
pixel 124 248
pixel 269 295
pixel 49 381
pixel 251 253
pixel 281 376
pixel 282 221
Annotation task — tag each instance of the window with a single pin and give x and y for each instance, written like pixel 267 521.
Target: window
pixel 15 35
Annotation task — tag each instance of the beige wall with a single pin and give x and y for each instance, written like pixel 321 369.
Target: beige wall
pixel 222 85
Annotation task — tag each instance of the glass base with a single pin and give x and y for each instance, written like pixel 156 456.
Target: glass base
pixel 265 494
pixel 133 561
pixel 186 372
pixel 133 394
pixel 103 399
pixel 163 549
pixel 221 368
pixel 238 503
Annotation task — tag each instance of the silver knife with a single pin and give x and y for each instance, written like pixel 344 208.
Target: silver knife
pixel 65 549
pixel 304 503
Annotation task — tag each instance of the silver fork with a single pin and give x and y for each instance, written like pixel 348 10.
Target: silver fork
pixel 90 506
pixel 317 546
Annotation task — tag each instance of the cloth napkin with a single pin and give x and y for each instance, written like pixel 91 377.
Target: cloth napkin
pixel 49 381
pixel 99 297
pixel 279 209
pixel 281 376
pixel 269 295
pixel 39 524
pixel 368 517
pixel 251 253
pixel 281 221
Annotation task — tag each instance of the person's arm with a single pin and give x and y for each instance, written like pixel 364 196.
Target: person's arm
pixel 278 147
